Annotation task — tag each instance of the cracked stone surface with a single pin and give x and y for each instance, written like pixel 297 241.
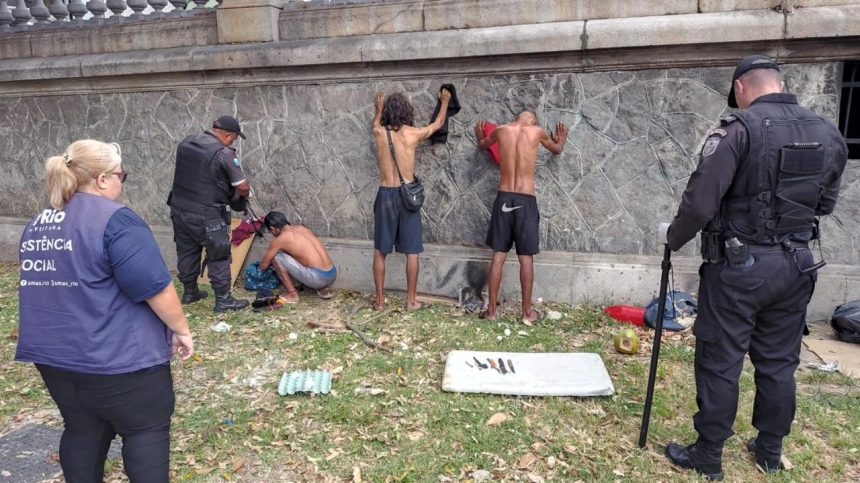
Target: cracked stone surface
pixel 634 140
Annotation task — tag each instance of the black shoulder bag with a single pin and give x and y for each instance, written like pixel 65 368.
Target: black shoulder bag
pixel 412 193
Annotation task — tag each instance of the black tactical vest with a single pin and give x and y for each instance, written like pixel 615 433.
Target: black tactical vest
pixel 776 186
pixel 198 183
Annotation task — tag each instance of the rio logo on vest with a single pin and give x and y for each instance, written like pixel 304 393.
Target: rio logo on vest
pixel 50 216
pixel 48 220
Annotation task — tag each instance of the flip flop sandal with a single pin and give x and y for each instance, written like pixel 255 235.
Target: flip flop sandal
pixel 325 296
pixel 269 308
pixel 283 301
pixel 264 302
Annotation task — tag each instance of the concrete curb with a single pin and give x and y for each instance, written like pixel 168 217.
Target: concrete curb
pixel 568 277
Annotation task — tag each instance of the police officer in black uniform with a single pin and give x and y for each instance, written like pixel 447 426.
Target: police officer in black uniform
pixel 763 177
pixel 208 178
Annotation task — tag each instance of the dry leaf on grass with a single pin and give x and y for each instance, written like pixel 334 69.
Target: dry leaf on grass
pixel 414 435
pixel 497 418
pixel 526 460
pixel 535 478
pixel 356 474
pixel 238 464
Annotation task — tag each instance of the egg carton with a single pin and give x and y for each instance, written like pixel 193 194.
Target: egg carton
pixel 316 382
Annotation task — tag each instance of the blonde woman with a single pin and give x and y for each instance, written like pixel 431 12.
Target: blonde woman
pixel 100 318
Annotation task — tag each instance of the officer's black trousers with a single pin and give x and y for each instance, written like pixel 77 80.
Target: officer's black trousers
pixel 760 309
pixel 189 233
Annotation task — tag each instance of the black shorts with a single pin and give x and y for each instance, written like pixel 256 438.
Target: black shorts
pixel 515 218
pixel 393 225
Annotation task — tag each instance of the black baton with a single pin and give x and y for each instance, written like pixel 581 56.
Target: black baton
pixel 666 266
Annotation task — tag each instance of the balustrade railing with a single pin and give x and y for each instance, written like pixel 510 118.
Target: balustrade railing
pixel 23 13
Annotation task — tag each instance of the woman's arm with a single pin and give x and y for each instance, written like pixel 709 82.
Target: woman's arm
pixel 166 305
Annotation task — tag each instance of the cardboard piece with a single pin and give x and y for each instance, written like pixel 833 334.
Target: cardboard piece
pixel 238 254
pixel 844 353
pixel 534 374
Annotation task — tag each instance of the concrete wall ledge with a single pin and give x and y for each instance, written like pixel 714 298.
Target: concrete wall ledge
pixel 114 34
pixel 568 277
pixel 560 41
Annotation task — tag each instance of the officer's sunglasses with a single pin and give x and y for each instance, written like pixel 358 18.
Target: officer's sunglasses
pixel 123 175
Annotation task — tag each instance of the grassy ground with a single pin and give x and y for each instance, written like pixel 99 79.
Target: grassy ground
pixel 388 420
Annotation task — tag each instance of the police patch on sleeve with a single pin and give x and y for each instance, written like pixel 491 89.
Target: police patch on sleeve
pixel 713 141
pixel 711 145
pixel 236 162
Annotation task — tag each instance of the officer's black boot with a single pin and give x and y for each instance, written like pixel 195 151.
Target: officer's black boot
pixel 702 457
pixel 192 293
pixel 225 302
pixel 768 457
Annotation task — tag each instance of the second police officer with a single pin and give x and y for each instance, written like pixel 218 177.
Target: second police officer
pixel 763 177
pixel 208 179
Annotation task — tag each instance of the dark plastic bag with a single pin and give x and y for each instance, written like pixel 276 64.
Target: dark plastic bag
pixel 678 304
pixel 846 322
pixel 256 279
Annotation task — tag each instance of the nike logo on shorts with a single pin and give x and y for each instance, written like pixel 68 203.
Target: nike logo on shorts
pixel 508 209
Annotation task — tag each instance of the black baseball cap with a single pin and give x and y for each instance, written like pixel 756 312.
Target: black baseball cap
pixel 229 124
pixel 749 63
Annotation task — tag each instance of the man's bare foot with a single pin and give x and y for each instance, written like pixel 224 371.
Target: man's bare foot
pixel 291 297
pixel 533 316
pixel 486 315
pixel 415 306
pixel 377 305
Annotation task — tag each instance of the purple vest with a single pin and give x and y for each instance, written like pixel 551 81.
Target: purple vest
pixel 72 312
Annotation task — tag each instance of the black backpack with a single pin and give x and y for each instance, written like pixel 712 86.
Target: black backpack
pixel 846 322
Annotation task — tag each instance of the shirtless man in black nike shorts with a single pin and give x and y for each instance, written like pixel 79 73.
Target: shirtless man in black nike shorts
pixel 515 216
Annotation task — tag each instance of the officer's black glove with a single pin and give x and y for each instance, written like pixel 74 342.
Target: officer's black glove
pixel 238 203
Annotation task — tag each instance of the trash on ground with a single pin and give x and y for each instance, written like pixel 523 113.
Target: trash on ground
pixel 316 382
pixel 553 315
pixel 846 322
pixel 626 341
pixel 373 391
pixel 626 313
pixel 222 327
pixel 679 304
pixel 825 366
pixel 469 300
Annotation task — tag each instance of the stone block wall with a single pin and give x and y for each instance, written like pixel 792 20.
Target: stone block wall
pixel 634 139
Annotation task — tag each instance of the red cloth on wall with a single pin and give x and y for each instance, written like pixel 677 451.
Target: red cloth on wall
pixel 494 149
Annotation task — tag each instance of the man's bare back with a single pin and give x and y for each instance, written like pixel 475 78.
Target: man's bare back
pixel 518 142
pixel 515 217
pixel 300 243
pixel 405 139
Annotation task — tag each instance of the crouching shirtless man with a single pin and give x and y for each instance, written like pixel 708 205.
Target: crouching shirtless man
pixel 297 254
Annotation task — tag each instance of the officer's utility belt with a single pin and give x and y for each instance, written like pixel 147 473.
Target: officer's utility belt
pixel 215 210
pixel 718 249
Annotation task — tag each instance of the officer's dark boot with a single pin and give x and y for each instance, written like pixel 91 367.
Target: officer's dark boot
pixel 768 454
pixel 702 457
pixel 192 293
pixel 225 302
